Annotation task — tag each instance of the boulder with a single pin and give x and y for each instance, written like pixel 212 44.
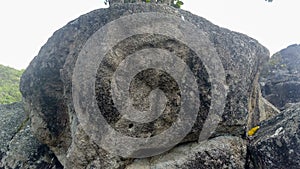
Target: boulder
pixel 268 110
pixel 280 78
pixel 19 148
pixel 49 88
pixel 260 109
pixel 276 144
pixel 219 152
pixel 11 116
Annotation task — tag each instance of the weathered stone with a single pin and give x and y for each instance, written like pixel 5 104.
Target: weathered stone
pixel 219 152
pixel 276 144
pixel 280 78
pixel 19 148
pixel 259 108
pixel 11 117
pixel 268 110
pixel 112 2
pixel 47 84
pixel 25 152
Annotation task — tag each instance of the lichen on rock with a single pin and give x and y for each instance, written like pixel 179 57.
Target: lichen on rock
pixel 18 147
pixel 280 78
pixel 276 144
pixel 46 86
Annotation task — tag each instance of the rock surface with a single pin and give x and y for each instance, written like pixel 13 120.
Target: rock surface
pixel 46 85
pixel 281 77
pixel 276 144
pixel 219 152
pixel 260 109
pixel 10 116
pixel 19 148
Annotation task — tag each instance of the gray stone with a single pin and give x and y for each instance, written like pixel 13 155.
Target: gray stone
pixel 11 117
pixel 219 152
pixel 26 152
pixel 268 110
pixel 46 84
pixel 19 148
pixel 276 144
pixel 260 109
pixel 280 78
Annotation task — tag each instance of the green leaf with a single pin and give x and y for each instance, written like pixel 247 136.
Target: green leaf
pixel 179 3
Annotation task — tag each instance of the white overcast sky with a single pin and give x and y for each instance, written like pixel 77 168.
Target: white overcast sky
pixel 27 24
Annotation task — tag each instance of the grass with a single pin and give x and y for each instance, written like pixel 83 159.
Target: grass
pixel 9 85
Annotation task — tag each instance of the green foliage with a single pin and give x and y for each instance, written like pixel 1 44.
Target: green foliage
pixel 177 3
pixel 9 85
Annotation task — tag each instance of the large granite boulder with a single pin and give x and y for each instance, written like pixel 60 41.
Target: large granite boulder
pixel 260 109
pixel 18 147
pixel 11 116
pixel 70 125
pixel 280 78
pixel 276 145
pixel 219 152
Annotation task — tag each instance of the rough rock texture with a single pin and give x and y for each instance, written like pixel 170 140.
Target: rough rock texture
pixel 259 108
pixel 47 84
pixel 19 148
pixel 11 117
pixel 268 110
pixel 265 110
pixel 280 78
pixel 276 144
pixel 219 152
